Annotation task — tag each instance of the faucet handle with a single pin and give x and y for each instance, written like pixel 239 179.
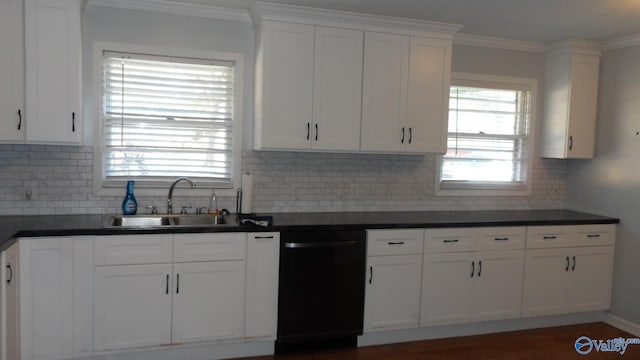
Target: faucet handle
pixel 154 209
pixel 184 209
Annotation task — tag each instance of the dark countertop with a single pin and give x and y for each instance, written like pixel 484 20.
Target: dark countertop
pixel 69 225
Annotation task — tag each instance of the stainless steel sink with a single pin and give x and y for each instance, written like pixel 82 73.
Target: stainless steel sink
pixel 198 220
pixel 142 221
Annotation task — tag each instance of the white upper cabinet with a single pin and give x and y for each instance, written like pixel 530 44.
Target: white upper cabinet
pixel 571 97
pixel 284 86
pixel 309 81
pixel 337 89
pixel 384 94
pixel 53 71
pixel 428 103
pixel 405 93
pixel 343 82
pixel 11 71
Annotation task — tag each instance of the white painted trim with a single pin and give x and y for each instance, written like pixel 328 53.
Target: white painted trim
pixel 622 324
pixel 98 141
pixel 622 42
pixel 178 8
pixel 358 21
pixel 504 82
pixel 498 43
pixel 575 46
pixel 486 327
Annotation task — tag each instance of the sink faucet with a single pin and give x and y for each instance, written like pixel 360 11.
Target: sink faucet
pixel 170 196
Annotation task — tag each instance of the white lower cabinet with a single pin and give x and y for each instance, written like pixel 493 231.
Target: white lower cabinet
pixel 39 299
pixel 132 306
pixel 394 265
pixel 464 286
pixel 263 260
pixel 207 301
pixel 198 297
pixel 559 281
pixel 393 292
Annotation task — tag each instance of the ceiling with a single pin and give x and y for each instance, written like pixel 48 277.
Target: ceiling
pixel 531 20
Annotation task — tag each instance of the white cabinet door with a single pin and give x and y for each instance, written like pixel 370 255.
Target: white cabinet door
pixel 384 92
pixel 337 89
pixel 583 108
pixel 498 285
pixel 591 279
pixel 132 306
pixel 447 288
pixel 392 298
pixel 545 282
pixel 11 304
pixel 284 83
pixel 46 298
pixel 11 71
pixel 53 71
pixel 208 301
pixel 428 101
pixel 570 104
pixel 263 259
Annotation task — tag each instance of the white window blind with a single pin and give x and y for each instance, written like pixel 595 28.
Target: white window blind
pixel 487 145
pixel 167 117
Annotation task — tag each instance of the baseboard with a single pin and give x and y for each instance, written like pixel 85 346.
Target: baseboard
pixel 622 324
pixel 479 328
pixel 192 352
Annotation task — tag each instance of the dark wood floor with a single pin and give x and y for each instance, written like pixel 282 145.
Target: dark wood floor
pixel 555 343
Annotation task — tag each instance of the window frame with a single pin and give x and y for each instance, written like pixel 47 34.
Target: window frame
pixel 103 187
pixel 493 189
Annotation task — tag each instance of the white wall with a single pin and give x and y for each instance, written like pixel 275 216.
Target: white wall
pixel 610 183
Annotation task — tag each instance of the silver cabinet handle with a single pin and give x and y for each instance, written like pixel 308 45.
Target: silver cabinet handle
pixel 295 245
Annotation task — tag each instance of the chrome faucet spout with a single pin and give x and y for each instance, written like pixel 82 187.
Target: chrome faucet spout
pixel 170 196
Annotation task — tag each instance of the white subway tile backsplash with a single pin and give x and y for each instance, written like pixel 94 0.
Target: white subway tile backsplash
pixel 284 182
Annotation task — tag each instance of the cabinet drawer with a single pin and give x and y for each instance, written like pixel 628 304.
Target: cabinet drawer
pixel 209 247
pixel 501 238
pixel 540 237
pixel 133 249
pixel 449 240
pixel 594 235
pixel 394 242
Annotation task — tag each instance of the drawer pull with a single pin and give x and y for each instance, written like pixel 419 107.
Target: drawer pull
pixel 501 239
pixel 549 237
pixel 451 241
pixel 396 243
pixel 264 237
pixel 593 235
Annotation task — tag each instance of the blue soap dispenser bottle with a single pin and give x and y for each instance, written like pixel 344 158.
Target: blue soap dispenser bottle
pixel 129 204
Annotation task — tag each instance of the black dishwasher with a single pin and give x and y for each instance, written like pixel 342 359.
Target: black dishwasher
pixel 321 290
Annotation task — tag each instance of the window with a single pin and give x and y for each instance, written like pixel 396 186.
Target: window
pixel 489 141
pixel 165 116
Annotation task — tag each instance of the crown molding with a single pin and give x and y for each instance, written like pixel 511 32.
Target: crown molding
pixel 498 43
pixel 178 8
pixel 575 46
pixel 622 42
pixel 358 21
